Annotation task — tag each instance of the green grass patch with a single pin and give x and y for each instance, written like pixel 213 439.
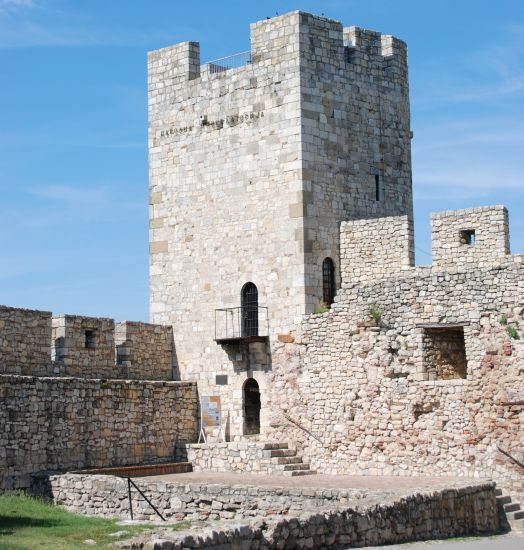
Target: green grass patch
pixel 27 522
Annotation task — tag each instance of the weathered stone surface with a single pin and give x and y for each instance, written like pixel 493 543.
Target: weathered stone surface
pixel 71 423
pixel 288 518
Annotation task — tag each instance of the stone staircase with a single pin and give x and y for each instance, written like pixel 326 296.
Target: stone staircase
pixel 511 510
pixel 285 461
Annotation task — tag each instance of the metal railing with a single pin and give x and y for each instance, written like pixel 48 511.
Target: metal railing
pixel 241 322
pixel 512 458
pixel 229 62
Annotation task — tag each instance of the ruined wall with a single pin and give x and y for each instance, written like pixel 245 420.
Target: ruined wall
pixel 25 341
pixel 71 423
pixel 360 383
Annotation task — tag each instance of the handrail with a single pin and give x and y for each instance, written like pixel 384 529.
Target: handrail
pixel 229 62
pixel 512 458
pixel 131 482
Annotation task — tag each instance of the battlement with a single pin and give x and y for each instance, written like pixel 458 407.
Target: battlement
pixel 35 343
pixel 461 239
pixel 283 39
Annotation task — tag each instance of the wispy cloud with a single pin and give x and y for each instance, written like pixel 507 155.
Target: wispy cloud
pixel 493 72
pixel 9 7
pixel 30 23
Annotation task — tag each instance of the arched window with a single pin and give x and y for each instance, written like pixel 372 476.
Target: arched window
pixel 328 281
pixel 249 302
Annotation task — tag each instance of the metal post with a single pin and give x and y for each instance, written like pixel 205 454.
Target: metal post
pixel 129 496
pixel 147 500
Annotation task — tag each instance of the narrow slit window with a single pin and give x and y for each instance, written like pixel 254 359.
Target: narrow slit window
pixel 467 236
pixel 377 187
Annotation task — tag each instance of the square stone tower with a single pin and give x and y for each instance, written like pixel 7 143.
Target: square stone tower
pixel 254 162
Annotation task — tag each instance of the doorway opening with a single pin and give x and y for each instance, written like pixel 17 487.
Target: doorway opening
pixel 251 407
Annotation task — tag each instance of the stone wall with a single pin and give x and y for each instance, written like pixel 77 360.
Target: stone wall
pixel 467 237
pixel 292 518
pixel 359 384
pixel 144 351
pixel 381 247
pixel 25 341
pixel 72 423
pixel 235 456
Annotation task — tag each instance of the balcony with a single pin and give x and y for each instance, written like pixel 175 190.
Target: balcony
pixel 241 325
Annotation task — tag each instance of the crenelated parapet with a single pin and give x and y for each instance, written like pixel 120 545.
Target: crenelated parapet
pixel 461 240
pixel 296 37
pixel 34 343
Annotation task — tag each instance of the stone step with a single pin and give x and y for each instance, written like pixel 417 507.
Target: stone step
pixel 283 452
pixel 513 507
pixel 274 446
pixel 498 492
pixel 518 515
pixel 292 467
pixel 286 459
pixel 504 500
pixel 294 473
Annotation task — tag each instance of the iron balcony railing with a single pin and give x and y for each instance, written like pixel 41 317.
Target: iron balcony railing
pixel 229 62
pixel 241 323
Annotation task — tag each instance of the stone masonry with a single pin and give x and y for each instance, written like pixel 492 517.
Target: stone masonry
pixel 415 371
pixel 252 169
pixel 69 423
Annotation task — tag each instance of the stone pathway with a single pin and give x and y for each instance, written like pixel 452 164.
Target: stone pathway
pixel 318 481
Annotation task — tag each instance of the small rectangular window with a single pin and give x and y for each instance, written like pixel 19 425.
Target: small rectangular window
pixel 467 236
pixel 377 187
pixel 221 379
pixel 90 339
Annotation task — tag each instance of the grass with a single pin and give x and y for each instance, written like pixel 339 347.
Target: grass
pixel 27 522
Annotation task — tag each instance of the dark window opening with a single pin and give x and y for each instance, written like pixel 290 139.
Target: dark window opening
pixel 467 236
pixel 377 187
pixel 445 353
pixel 249 302
pixel 221 379
pixel 90 339
pixel 251 407
pixel 328 281
pixel 349 52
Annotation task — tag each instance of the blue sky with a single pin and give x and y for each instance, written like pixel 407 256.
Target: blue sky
pixel 73 138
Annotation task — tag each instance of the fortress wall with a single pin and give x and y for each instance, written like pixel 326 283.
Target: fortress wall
pixel 144 351
pixel 71 423
pixel 375 248
pixel 25 341
pixel 470 236
pixel 33 343
pixel 367 394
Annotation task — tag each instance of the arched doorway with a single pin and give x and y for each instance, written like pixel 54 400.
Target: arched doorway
pixel 249 303
pixel 251 407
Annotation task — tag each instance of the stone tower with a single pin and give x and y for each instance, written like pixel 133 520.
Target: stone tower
pixel 254 162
